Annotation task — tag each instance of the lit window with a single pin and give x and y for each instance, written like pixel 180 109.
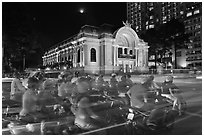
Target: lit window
pixel 181 12
pixel 151 17
pixel 147 22
pixel 164 18
pixel 197 26
pixel 146 27
pixel 188 14
pixel 151 26
pixel 151 8
pixel 196 11
pixel 93 55
pixel 120 51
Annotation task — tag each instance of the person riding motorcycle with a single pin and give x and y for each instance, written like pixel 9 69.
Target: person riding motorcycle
pixel 157 115
pixel 113 81
pixel 66 87
pixel 30 105
pixel 113 85
pixel 129 81
pixel 85 117
pixel 138 95
pixel 100 84
pixel 123 86
pixel 170 91
pixel 17 89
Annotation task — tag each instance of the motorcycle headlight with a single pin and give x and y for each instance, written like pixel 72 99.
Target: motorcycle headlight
pixel 130 110
pixel 134 123
pixel 30 127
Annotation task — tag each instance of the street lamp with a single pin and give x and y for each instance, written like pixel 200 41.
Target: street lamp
pixel 24 62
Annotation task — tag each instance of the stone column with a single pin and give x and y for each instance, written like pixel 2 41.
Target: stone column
pixel 117 56
pixel 81 56
pixel 136 57
pixel 146 58
pixel 74 57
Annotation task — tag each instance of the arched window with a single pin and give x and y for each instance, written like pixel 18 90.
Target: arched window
pixel 78 56
pixel 130 52
pixel 93 55
pixel 120 52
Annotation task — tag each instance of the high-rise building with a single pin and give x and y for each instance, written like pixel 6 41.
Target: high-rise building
pixel 146 15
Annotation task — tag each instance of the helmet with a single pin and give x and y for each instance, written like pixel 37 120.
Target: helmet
pixel 113 74
pixel 83 84
pixel 32 82
pixel 148 79
pixel 169 78
pixel 67 75
pixel 16 74
pixel 128 75
pixel 123 78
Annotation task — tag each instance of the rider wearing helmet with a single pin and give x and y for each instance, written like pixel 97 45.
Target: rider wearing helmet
pixel 17 89
pixel 123 86
pixel 85 118
pixel 30 99
pixel 129 81
pixel 99 83
pixel 138 94
pixel 66 87
pixel 113 85
pixel 113 81
pixel 170 90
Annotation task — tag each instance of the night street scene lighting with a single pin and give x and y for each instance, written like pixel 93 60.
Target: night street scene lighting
pixel 101 68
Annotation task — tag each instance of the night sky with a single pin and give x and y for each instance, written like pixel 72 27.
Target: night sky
pixel 56 21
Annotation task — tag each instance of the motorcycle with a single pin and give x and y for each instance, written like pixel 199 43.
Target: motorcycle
pixel 120 118
pixel 158 120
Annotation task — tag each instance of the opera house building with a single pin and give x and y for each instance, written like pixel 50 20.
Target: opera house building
pixel 98 50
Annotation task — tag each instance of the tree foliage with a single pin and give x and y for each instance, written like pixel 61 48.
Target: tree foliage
pixel 19 36
pixel 165 37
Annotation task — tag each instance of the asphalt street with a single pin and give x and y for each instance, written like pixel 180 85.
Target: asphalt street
pixel 191 122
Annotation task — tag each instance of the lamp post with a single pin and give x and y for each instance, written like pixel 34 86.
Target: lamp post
pixel 24 62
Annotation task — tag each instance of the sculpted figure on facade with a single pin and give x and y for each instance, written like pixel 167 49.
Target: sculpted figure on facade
pixel 127 24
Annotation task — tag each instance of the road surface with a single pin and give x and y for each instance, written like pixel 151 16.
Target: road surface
pixel 191 122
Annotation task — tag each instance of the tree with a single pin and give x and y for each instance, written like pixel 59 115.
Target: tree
pixel 174 36
pixel 156 42
pixel 20 38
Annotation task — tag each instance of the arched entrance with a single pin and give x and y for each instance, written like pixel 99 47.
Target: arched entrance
pixel 131 52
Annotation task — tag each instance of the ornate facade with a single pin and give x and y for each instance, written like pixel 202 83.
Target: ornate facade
pixel 97 50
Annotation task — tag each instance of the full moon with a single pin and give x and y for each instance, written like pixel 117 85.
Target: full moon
pixel 81 10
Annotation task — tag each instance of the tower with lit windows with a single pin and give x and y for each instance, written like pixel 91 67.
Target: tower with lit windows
pixel 147 15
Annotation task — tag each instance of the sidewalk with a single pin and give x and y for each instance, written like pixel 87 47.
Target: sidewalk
pixel 158 77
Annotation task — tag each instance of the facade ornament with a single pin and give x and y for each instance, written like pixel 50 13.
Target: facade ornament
pixel 127 24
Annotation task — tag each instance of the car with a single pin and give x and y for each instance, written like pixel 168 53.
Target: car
pixel 6 88
pixel 8 106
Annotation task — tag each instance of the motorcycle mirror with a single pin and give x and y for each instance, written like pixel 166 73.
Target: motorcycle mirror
pixel 130 110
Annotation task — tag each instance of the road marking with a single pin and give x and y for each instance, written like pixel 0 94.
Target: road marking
pixel 194 114
pixel 189 115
